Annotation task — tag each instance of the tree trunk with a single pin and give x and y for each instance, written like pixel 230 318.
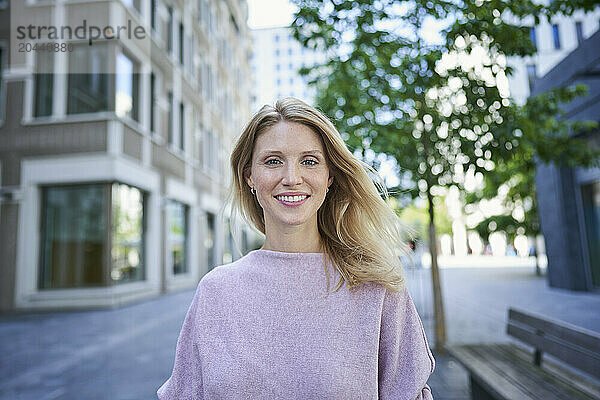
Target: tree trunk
pixel 438 303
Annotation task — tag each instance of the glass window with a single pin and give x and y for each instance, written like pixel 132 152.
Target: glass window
pixel 170 119
pixel 277 67
pixel 135 4
pixel 88 88
pixel 245 246
pixel 74 240
pixel 290 52
pixel 76 249
pixel 277 52
pixel 181 44
pixel 127 234
pixel 44 84
pixel 181 125
pixel 291 66
pixel 152 101
pixel 556 36
pixel 127 81
pixel 209 241
pixel 178 236
pixel 533 37
pixel 228 245
pixel 579 30
pixel 2 52
pixel 591 213
pixel 170 30
pixel 153 14
pixel 531 75
pixel 277 38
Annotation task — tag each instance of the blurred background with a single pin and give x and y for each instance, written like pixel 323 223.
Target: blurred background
pixel 117 118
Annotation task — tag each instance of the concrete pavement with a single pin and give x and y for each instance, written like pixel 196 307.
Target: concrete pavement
pixel 476 303
pixel 128 353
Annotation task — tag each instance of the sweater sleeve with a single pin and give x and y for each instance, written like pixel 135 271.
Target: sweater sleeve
pixel 405 359
pixel 186 379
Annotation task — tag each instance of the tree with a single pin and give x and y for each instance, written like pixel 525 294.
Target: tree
pixel 513 179
pixel 434 106
pixel 417 218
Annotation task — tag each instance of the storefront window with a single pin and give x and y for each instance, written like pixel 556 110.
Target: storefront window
pixel 127 233
pixel 178 233
pixel 74 236
pixel 80 247
pixel 591 211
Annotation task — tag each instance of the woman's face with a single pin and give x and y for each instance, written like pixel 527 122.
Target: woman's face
pixel 288 159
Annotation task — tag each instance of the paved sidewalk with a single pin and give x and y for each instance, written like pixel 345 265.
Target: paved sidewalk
pixel 476 303
pixel 128 353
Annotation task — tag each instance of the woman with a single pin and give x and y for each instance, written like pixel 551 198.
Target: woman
pixel 266 326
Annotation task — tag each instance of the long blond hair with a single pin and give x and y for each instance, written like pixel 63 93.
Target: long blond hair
pixel 362 236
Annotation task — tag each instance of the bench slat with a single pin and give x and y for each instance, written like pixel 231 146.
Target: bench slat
pixel 570 333
pixel 503 371
pixel 574 355
pixel 493 381
pixel 547 385
pixel 581 382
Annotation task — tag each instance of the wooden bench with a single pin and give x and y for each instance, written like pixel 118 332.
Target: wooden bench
pixel 508 371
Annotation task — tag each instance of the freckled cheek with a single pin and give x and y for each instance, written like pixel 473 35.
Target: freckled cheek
pixel 266 179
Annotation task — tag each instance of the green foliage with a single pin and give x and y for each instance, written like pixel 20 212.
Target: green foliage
pixel 543 134
pixel 417 218
pixel 438 108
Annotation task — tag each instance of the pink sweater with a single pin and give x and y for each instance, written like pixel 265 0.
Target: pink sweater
pixel 262 328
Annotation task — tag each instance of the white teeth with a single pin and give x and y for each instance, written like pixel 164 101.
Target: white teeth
pixel 291 198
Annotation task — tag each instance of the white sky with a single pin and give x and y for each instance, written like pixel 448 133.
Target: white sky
pixel 269 13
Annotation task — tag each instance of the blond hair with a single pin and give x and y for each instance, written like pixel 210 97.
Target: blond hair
pixel 362 236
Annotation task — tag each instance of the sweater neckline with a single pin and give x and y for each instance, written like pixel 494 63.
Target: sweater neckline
pixel 283 254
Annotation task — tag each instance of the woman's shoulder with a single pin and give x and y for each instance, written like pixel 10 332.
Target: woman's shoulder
pixel 223 272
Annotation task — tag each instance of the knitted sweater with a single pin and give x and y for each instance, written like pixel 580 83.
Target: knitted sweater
pixel 263 327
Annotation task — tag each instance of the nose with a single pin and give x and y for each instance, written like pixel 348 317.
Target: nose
pixel 292 175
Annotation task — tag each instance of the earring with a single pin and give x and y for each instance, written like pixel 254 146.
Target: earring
pixel 253 191
pixel 327 189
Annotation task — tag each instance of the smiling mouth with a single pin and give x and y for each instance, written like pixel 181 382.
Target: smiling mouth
pixel 292 200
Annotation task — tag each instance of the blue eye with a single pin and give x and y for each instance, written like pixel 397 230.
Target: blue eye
pixel 268 162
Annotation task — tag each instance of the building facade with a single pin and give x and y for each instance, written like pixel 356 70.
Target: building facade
pixel 553 40
pixel 114 152
pixel 569 198
pixel 277 57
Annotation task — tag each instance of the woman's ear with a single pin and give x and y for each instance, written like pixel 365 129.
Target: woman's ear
pixel 247 178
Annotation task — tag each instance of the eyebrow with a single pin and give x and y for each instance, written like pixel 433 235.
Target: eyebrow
pixel 279 152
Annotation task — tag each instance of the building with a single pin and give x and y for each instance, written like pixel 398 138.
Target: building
pixel 114 151
pixel 569 198
pixel 277 57
pixel 553 42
